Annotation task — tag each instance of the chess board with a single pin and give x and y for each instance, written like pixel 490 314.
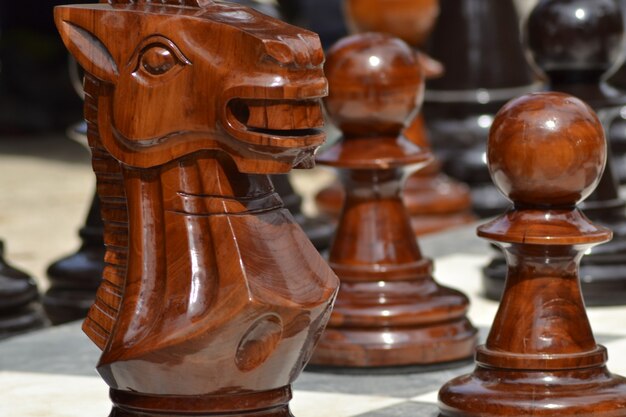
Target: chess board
pixel 51 373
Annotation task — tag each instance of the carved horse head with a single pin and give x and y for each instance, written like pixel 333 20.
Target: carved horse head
pixel 188 75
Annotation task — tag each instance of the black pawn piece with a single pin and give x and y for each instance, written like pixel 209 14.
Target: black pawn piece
pixel 19 301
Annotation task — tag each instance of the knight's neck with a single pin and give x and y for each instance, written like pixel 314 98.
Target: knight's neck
pixel 204 184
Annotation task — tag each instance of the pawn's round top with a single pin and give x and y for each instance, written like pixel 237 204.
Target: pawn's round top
pixel 376 83
pixel 546 150
pixel 575 34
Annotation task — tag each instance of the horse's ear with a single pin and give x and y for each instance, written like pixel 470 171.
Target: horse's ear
pixel 90 52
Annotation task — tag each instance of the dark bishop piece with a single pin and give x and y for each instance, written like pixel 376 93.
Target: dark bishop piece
pixel 546 153
pixel 212 297
pixel 389 310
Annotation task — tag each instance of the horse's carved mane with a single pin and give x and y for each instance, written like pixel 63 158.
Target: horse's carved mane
pixel 102 316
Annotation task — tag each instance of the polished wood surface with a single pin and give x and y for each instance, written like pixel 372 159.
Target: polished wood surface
pixel 483 72
pixel 389 310
pixel 212 296
pixel 434 201
pixel 576 44
pixel 547 153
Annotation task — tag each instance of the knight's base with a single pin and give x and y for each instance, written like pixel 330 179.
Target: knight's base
pixel 602 284
pixel 591 392
pixel 416 347
pixel 273 403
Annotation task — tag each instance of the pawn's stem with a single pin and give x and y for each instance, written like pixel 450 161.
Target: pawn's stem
pixel 543 299
pixel 374 212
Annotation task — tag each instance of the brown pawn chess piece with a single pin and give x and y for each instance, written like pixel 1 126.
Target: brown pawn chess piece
pixel 575 43
pixel 389 310
pixel 434 201
pixel 483 71
pixel 546 153
pixel 212 296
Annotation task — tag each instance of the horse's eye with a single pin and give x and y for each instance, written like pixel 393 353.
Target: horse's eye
pixel 157 60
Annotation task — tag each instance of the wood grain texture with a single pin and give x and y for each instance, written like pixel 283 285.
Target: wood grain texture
pixel 389 310
pixel 212 297
pixel 541 355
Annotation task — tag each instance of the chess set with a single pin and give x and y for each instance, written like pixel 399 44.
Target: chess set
pixel 468 262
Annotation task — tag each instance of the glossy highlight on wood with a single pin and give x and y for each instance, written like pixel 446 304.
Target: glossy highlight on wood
pixel 212 296
pixel 389 311
pixel 540 355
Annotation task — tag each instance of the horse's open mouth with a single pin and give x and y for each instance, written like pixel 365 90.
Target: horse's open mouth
pixel 279 118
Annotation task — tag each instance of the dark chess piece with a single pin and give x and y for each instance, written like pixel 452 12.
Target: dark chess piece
pixel 483 71
pixel 212 297
pixel 19 301
pixel 389 310
pixel 576 43
pixel 74 279
pixel 434 201
pixel 616 129
pixel 546 153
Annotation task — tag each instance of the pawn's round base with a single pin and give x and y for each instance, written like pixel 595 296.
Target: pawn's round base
pixel 434 331
pixel 601 284
pixel 22 320
pixel 592 392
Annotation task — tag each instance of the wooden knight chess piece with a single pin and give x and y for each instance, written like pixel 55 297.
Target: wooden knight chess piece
pixel 546 152
pixel 212 296
pixel 74 279
pixel 389 310
pixel 434 201
pixel 483 71
pixel 575 43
